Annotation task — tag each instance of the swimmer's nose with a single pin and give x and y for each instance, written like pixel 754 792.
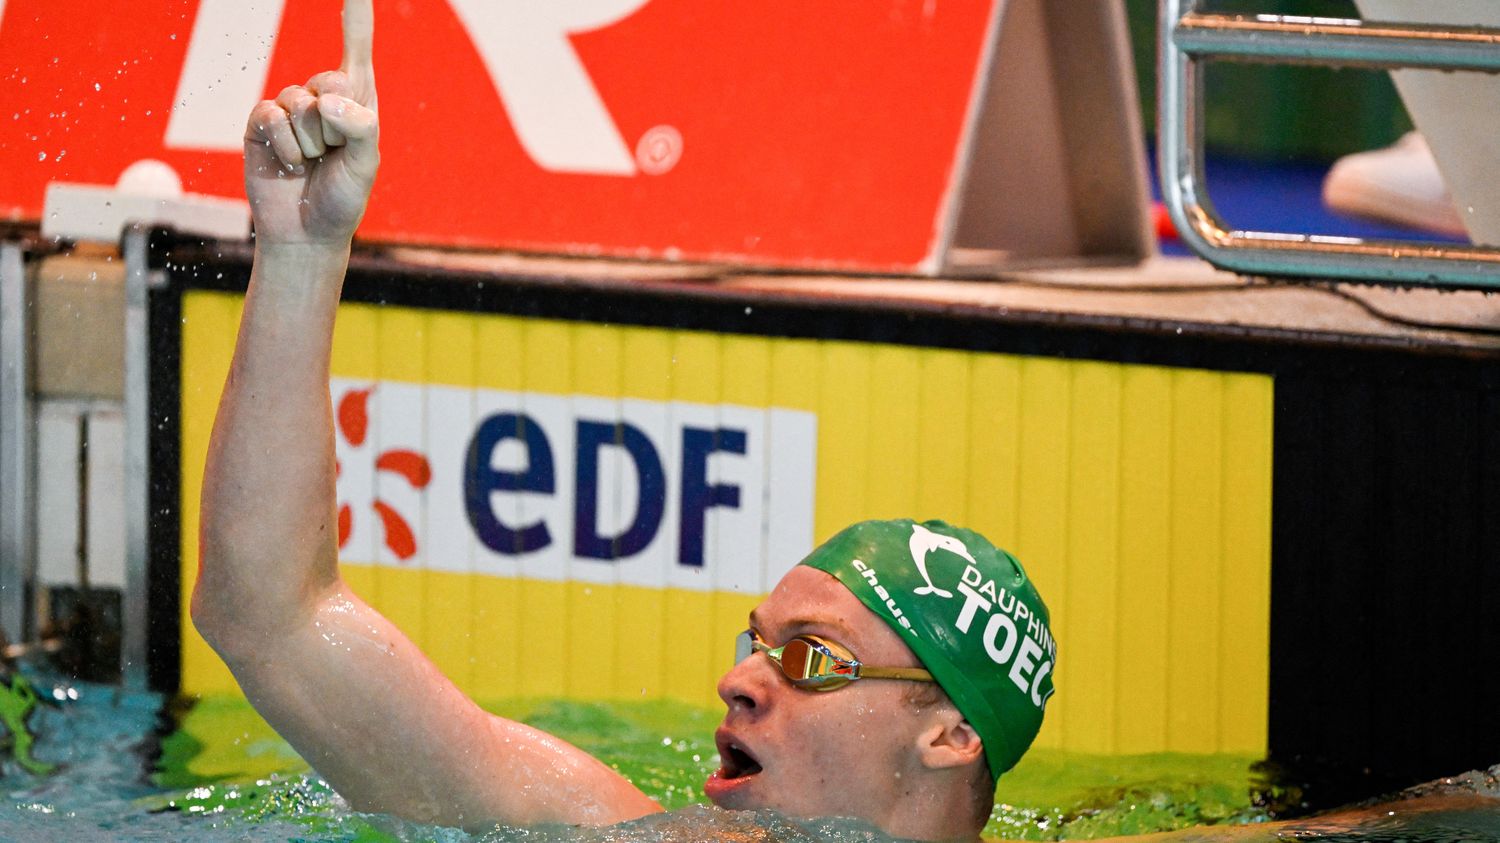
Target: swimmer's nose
pixel 747 686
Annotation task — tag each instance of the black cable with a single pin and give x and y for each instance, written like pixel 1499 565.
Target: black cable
pixel 1421 324
pixel 1226 286
pixel 1094 287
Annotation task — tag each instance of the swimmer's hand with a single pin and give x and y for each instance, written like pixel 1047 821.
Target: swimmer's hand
pixel 311 153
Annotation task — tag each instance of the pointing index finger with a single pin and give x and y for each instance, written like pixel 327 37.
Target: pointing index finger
pixel 359 43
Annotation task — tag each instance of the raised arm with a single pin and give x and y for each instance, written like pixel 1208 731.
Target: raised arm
pixel 343 685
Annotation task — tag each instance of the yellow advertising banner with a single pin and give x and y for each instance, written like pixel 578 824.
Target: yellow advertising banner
pixel 609 502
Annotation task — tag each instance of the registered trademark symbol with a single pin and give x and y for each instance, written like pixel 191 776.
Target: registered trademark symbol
pixel 659 150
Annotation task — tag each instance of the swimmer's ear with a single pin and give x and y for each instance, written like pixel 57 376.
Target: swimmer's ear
pixel 949 741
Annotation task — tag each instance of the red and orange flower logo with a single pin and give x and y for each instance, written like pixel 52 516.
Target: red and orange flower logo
pixel 353 423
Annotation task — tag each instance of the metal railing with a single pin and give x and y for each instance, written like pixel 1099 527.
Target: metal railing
pixel 17 445
pixel 135 616
pixel 30 623
pixel 1188 38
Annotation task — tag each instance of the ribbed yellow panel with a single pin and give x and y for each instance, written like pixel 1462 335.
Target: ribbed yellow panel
pixel 1245 584
pixel 995 444
pixel 892 433
pixel 452 357
pixel 795 379
pixel 1197 469
pixel 209 324
pixel 845 426
pixel 942 445
pixel 1143 561
pixel 747 371
pixel 1043 520
pixel 1093 570
pixel 1138 497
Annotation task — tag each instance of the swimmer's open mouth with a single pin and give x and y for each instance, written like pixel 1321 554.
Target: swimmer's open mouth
pixel 736 763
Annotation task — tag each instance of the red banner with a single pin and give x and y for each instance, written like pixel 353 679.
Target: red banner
pixel 790 132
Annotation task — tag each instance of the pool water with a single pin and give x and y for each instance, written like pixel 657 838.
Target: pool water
pixel 133 766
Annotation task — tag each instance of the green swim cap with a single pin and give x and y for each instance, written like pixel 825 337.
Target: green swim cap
pixel 969 612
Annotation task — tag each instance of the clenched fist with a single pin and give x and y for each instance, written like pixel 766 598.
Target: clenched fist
pixel 311 153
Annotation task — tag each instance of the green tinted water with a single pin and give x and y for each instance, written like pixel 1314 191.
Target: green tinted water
pixel 221 774
pixel 667 750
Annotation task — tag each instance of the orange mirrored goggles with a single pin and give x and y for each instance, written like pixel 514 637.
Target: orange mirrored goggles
pixel 818 664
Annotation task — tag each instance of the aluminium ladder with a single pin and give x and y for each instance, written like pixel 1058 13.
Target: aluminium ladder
pixel 1189 37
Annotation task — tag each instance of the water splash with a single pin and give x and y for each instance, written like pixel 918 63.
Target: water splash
pixel 139 767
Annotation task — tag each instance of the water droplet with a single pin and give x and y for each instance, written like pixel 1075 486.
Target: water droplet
pixel 96 86
pixel 41 156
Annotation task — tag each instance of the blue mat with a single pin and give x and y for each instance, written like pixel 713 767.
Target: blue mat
pixel 1281 197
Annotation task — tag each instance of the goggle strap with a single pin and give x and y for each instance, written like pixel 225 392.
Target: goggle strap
pixel 915 674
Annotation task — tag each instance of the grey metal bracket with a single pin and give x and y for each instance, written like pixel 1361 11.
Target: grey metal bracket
pixel 17 444
pixel 1189 37
pixel 135 609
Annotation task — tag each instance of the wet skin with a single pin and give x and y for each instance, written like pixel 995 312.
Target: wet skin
pixel 840 753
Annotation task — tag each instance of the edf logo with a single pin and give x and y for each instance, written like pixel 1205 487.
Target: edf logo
pixel 553 104
pixel 591 438
pixel 575 487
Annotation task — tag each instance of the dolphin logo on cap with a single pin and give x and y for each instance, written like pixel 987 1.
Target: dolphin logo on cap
pixel 923 542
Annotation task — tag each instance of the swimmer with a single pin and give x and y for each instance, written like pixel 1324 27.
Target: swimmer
pixel 871 683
